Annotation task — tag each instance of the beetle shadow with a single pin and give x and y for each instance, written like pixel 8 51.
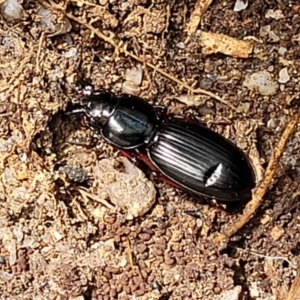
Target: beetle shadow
pixel 232 208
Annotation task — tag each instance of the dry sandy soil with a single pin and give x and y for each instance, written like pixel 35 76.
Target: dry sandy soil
pixel 62 233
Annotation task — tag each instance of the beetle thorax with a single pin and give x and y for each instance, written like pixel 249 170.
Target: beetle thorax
pixel 99 111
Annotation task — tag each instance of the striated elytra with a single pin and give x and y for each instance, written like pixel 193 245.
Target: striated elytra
pixel 187 154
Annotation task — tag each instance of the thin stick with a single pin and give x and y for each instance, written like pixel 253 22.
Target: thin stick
pixel 37 66
pixel 267 256
pixel 129 254
pixel 259 192
pixel 200 8
pixel 110 40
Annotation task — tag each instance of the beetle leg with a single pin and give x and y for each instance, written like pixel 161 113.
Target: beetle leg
pixel 135 156
pixel 131 155
pixel 75 112
pixel 190 118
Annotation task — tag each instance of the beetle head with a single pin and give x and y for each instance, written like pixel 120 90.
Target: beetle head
pixel 98 107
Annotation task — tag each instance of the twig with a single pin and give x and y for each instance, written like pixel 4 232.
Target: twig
pixel 119 49
pixel 200 8
pixel 37 66
pixel 129 255
pixel 259 192
pixel 8 114
pixel 86 194
pixel 296 95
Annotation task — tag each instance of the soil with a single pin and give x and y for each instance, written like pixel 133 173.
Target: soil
pixel 61 236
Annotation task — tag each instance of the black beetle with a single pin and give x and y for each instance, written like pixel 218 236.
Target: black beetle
pixel 187 154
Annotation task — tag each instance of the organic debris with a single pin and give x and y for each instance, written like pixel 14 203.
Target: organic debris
pixel 66 234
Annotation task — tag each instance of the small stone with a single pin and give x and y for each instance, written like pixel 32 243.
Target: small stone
pixel 56 235
pixel 169 261
pixel 130 88
pixel 264 30
pixel 12 10
pixel 134 75
pixel 233 294
pixel 103 2
pixel 70 53
pixel 123 262
pixel 277 232
pixel 275 14
pixel 48 23
pixel 129 191
pixel 263 82
pixel 273 37
pixel 145 236
pixel 265 219
pixel 180 45
pixel 206 83
pixel 282 51
pixel 240 5
pixel 254 291
pixel 283 76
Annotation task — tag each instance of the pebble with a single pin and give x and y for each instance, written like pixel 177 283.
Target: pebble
pixel 283 76
pixel 145 236
pixel 262 82
pixel 12 10
pixel 130 88
pixel 134 75
pixel 240 5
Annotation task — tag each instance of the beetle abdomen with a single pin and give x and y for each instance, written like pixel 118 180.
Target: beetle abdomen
pixel 202 161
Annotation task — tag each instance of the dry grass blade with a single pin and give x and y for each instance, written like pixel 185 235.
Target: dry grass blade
pixel 260 191
pixel 119 49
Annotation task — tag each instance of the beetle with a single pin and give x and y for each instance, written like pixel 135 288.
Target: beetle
pixel 187 154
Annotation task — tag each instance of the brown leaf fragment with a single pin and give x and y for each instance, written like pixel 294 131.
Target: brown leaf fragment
pixel 220 43
pixel 200 8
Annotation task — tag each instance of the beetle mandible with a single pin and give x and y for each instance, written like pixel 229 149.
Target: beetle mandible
pixel 189 155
